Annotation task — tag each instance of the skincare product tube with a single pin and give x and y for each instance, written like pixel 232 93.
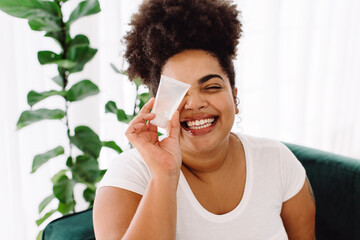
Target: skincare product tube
pixel 168 98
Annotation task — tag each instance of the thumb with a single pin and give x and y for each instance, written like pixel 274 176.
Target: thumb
pixel 175 126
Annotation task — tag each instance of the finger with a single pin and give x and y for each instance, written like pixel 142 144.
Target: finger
pixel 168 128
pixel 148 116
pixel 142 117
pixel 148 106
pixel 135 128
pixel 152 127
pixel 175 126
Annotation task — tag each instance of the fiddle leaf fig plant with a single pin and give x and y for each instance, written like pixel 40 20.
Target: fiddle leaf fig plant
pixel 75 52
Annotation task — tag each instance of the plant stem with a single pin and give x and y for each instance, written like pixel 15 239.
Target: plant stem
pixel 64 73
pixel 67 126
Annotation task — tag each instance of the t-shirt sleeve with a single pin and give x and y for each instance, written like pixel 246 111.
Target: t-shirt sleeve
pixel 293 174
pixel 128 171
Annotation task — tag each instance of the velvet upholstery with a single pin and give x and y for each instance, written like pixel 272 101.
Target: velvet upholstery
pixel 76 226
pixel 336 184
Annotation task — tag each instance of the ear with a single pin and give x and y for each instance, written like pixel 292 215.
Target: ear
pixel 235 91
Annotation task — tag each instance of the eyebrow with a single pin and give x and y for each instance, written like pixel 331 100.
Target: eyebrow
pixel 208 77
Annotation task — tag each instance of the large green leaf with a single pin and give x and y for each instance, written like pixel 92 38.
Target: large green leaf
pixel 45 202
pixel 39 236
pixel 32 116
pixel 30 9
pixel 69 162
pixel 80 55
pixel 35 97
pixel 110 107
pixel 81 90
pixel 87 141
pixel 52 8
pixel 59 37
pixel 66 208
pixel 92 186
pixel 58 80
pixel 79 41
pixel 48 57
pixel 102 173
pixel 144 98
pixel 57 176
pixel 112 145
pixel 89 196
pixel 45 24
pixel 115 68
pixel 63 189
pixel 65 63
pixel 85 8
pixel 123 117
pixel 40 159
pixel 46 216
pixel 86 169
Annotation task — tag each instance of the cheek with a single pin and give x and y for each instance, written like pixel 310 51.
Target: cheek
pixel 226 102
pixel 181 106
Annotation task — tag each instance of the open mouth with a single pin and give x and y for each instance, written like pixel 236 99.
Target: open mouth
pixel 199 124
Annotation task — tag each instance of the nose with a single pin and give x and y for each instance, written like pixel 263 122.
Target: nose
pixel 194 101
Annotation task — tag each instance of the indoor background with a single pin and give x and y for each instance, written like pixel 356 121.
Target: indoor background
pixel 297 71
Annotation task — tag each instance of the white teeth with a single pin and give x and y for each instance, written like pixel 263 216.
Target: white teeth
pixel 199 124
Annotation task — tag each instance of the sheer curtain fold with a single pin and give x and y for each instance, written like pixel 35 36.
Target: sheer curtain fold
pixel 297 72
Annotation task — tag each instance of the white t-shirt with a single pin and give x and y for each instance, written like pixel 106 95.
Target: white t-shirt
pixel 274 175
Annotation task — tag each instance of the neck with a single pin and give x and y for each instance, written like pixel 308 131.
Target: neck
pixel 209 162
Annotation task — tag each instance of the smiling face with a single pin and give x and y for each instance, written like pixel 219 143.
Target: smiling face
pixel 208 109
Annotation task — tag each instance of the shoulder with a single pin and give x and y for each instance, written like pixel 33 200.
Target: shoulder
pixel 270 154
pixel 263 146
pixel 276 163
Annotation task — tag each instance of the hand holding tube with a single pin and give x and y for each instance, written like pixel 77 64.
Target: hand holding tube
pixel 168 98
pixel 162 157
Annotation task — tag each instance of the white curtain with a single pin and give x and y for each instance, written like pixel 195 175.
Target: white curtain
pixel 297 73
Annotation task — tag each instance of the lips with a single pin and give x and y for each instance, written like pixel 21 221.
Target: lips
pixel 199 125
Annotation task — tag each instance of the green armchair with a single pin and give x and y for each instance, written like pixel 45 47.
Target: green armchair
pixel 335 181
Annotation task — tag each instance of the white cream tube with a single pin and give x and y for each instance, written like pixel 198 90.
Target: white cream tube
pixel 168 98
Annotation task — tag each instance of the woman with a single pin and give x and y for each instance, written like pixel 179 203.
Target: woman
pixel 202 181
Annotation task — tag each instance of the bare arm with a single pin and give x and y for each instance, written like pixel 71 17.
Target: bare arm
pixel 121 214
pixel 298 214
pixel 113 211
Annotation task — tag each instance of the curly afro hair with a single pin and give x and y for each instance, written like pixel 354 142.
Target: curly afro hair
pixel 163 28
